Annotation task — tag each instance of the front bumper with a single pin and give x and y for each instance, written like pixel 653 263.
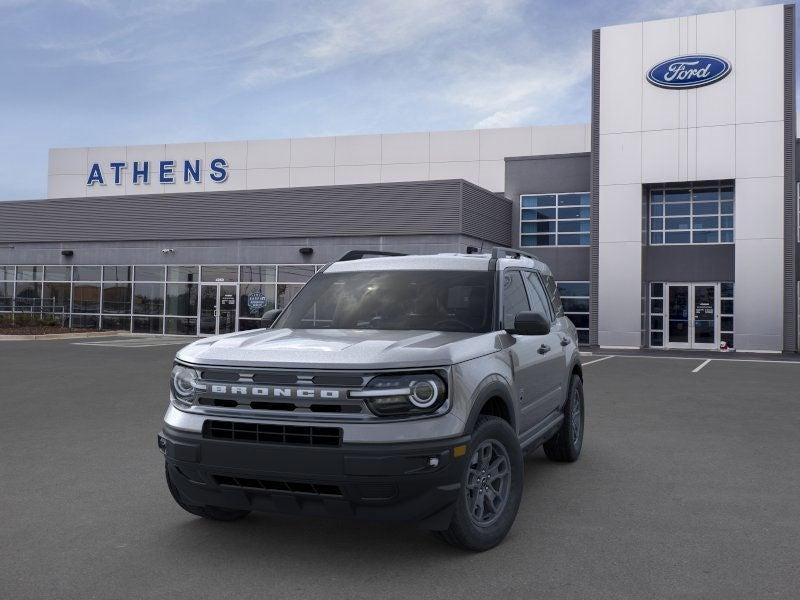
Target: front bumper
pixel 417 481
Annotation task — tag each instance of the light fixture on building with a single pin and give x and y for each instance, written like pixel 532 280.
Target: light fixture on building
pixel 472 250
pixel 67 253
pixel 306 251
pixel 168 251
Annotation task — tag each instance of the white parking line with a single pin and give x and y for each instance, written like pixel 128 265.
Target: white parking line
pixel 591 362
pixel 701 365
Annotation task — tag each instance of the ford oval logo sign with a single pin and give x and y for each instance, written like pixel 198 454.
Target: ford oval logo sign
pixel 683 72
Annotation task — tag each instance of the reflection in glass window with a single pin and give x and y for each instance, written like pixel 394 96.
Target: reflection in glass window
pixel 57 273
pixel 86 298
pixel 180 326
pixel 255 299
pixel 148 324
pixel 554 220
pixel 257 273
pixel 117 298
pixel 189 274
pixel 726 321
pixel 83 273
pixel 575 301
pixel 117 273
pixel 148 273
pixel 181 299
pixel 6 272
pixel 27 295
pixel 6 295
pixel 115 323
pixel 295 273
pixel 656 314
pixel 29 273
pixel 222 273
pixel 286 293
pixel 148 299
pixel 515 298
pixel 85 321
pixel 691 216
pixel 55 297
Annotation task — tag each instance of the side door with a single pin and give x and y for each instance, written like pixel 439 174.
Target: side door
pixel 527 362
pixel 555 359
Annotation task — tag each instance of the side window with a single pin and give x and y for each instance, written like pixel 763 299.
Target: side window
pixel 515 300
pixel 552 292
pixel 537 294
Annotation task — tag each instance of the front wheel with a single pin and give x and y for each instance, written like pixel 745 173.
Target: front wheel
pixel 566 444
pixel 491 488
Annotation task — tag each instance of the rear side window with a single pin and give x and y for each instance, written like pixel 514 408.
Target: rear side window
pixel 538 296
pixel 552 292
pixel 515 299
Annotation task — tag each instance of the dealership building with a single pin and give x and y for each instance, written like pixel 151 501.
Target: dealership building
pixel 669 221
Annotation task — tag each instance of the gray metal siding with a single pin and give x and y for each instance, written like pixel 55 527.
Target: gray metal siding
pixel 408 208
pixel 485 215
pixel 594 225
pixel 789 182
pixel 697 263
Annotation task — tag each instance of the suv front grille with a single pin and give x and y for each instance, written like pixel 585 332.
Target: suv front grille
pixel 317 489
pixel 268 433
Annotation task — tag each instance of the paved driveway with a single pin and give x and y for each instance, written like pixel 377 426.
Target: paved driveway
pixel 688 488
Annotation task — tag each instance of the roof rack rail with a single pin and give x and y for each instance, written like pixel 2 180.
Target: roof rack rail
pixel 357 254
pixel 500 252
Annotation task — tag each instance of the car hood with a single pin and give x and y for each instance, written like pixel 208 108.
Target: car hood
pixel 339 349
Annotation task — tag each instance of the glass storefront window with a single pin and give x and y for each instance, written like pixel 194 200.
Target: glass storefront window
pixel 180 326
pixel 27 296
pixel 575 300
pixel 255 300
pixel 691 216
pixel 6 295
pixel 257 273
pixel 117 273
pixel 117 298
pixel 55 297
pixel 249 324
pixel 86 298
pixel 286 293
pixel 82 273
pixel 295 273
pixel 146 273
pixel 27 273
pixel 86 321
pixel 219 274
pixel 188 274
pixel 6 272
pixel 57 273
pixel 148 325
pixel 148 299
pixel 182 299
pixel 116 323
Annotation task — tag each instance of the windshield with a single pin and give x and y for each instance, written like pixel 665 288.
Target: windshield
pixel 428 300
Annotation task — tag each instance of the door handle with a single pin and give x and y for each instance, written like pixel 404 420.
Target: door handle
pixel 543 349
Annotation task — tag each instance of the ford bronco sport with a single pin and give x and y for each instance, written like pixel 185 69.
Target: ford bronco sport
pixel 391 387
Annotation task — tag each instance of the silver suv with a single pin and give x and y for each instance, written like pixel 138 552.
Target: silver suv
pixel 391 387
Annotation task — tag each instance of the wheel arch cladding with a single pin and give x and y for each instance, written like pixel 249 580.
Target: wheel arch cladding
pixel 495 400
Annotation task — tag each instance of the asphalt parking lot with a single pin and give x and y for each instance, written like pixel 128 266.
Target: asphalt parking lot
pixel 688 487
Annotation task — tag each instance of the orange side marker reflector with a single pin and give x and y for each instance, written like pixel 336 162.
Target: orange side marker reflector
pixel 459 451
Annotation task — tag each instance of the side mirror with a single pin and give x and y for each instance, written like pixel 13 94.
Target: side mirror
pixel 531 323
pixel 269 317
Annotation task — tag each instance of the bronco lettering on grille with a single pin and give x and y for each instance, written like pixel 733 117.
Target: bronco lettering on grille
pixel 276 392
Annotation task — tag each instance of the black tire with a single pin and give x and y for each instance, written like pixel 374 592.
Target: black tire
pixel 566 444
pixel 215 513
pixel 479 533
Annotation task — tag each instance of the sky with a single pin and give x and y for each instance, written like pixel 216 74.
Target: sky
pixel 102 73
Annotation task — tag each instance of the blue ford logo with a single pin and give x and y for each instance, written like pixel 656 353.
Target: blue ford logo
pixel 684 72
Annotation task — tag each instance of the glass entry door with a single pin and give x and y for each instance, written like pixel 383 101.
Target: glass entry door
pixel 692 314
pixel 217 309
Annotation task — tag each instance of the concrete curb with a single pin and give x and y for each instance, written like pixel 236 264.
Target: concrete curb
pixel 60 336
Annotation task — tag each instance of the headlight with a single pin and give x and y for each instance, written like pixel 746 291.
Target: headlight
pixel 404 395
pixel 183 382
